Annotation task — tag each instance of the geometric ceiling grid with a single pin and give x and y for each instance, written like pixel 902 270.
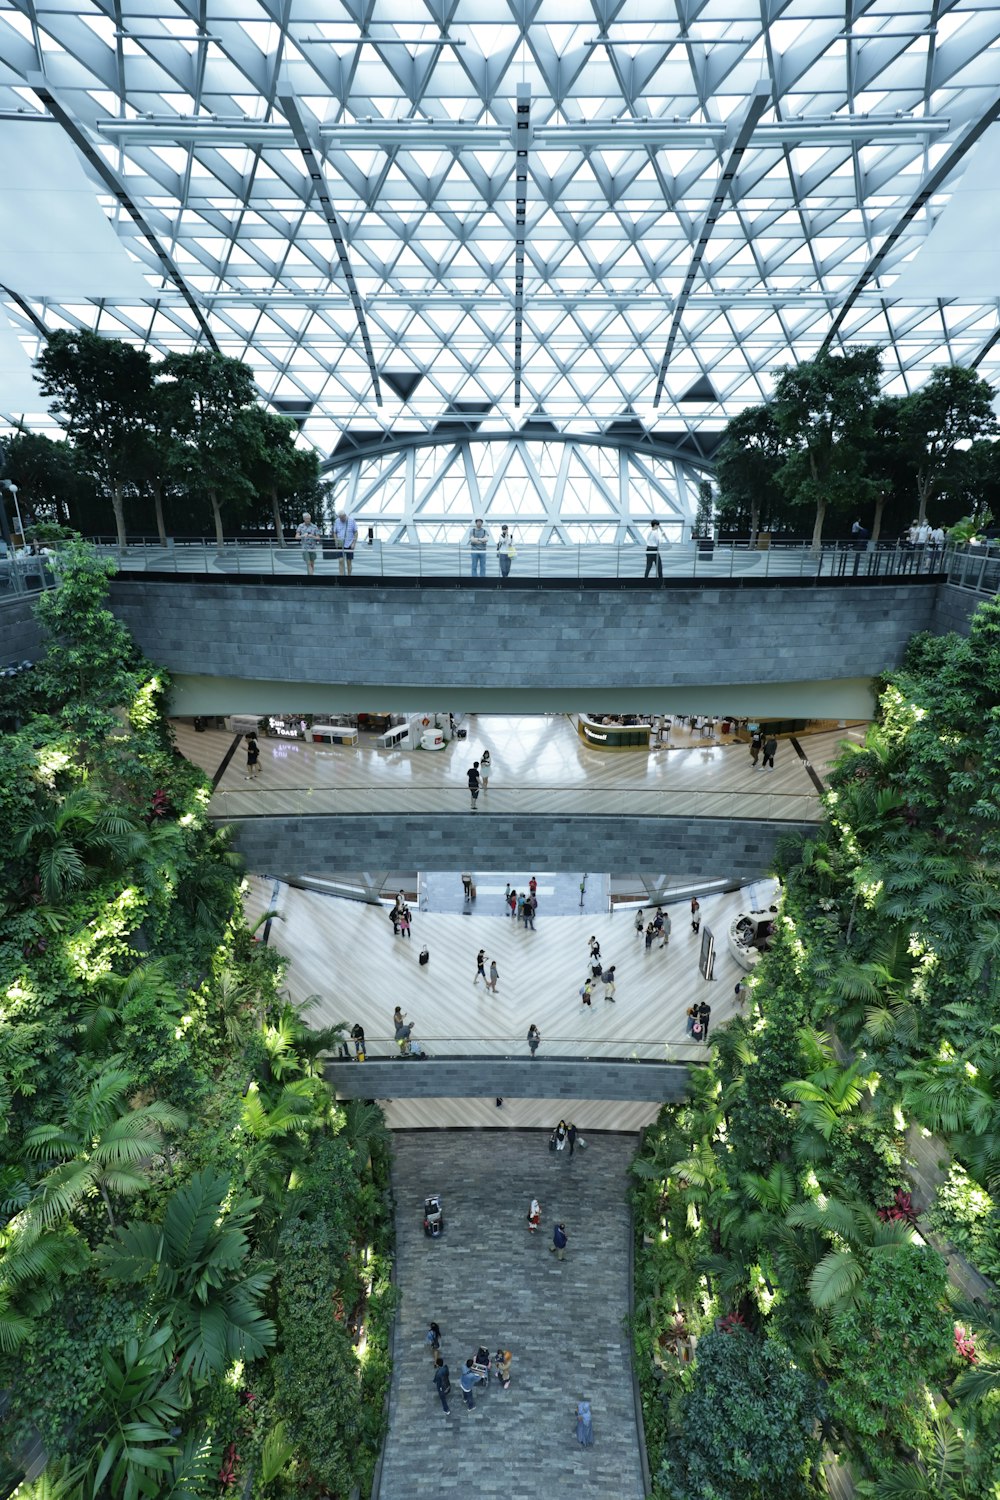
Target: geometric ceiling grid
pixel 341 195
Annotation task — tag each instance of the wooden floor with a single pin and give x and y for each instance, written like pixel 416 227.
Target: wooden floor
pixel 344 961
pixel 539 765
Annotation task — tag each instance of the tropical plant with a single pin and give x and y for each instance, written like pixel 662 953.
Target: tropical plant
pixel 100 1144
pixel 196 1262
pixel 863 1246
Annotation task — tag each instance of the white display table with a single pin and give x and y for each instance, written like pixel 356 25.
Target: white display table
pixel 334 734
pixel 743 932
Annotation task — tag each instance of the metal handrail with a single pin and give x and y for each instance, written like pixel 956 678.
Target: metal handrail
pixel 239 555
pixel 515 1049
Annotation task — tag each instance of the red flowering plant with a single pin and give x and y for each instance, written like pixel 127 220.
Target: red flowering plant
pixel 900 1211
pixel 965 1344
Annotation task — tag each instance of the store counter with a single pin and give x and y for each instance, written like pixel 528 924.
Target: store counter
pixel 334 734
pixel 748 934
pixel 613 736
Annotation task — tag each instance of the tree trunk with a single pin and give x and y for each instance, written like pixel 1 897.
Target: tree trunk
pixel 924 488
pixel 278 528
pixel 754 522
pixel 157 488
pixel 119 509
pixel 818 527
pixel 880 505
pixel 217 513
pixel 107 1205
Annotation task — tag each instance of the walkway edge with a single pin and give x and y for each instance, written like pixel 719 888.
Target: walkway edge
pixel 640 1425
pixel 387 1403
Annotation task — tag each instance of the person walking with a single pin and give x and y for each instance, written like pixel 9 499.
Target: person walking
pixel 532 886
pixel 584 1425
pixel 595 947
pixel 639 923
pixel 520 906
pixel 704 1017
pixel 585 993
pixel 695 914
pixel 442 1383
pixel 529 914
pixel 571 1137
pixel 345 535
pixel 664 928
pixel 476 542
pixel 534 1216
pixel 491 983
pixel 473 775
pixel 506 900
pixel 560 1239
pixel 608 980
pixel 770 747
pixel 405 918
pixel 485 767
pixel 480 966
pixel 467 886
pixel 650 935
pixel 653 559
pixel 433 1337
pixel 307 534
pixel 534 1037
pixel 756 742
pixel 253 758
pixel 505 551
pixel 512 903
pixel 468 1381
pixel 502 1363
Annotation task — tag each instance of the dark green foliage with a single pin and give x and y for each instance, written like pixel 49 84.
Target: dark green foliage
pixel 749 1425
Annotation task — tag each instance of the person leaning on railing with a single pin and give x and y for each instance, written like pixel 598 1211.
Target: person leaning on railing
pixel 345 536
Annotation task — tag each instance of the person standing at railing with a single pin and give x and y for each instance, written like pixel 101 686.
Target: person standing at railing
pixel 653 559
pixel 476 542
pixel 506 551
pixel 534 1037
pixel 345 534
pixel 307 534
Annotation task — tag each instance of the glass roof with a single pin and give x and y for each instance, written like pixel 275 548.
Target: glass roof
pixel 397 211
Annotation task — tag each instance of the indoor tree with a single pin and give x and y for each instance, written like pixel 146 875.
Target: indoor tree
pixel 955 406
pixel 823 409
pixel 747 464
pixel 101 389
pixel 205 394
pixel 47 475
pixel 276 466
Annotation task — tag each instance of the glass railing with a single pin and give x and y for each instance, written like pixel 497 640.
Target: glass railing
pixel 26 575
pixel 976 568
pixel 555 1049
pixel 835 560
pixel 258 800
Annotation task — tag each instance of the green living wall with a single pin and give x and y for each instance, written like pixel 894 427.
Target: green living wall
pixel 787 1302
pixel 194 1237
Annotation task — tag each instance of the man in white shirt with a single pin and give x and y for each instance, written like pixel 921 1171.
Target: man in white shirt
pixel 308 536
pixel 653 550
pixel 345 534
pixel 923 534
pixel 476 542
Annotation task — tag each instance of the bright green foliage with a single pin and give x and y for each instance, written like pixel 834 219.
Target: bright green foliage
pixel 777 1198
pixel 197 1263
pixel 894 1338
pixel 161 1107
pixel 749 1425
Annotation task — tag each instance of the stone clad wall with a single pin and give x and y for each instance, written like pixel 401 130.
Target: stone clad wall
pixel 690 848
pixel 20 635
pixel 582 638
pixel 514 1078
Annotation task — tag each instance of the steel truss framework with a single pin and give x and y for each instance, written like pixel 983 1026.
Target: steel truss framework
pixel 413 211
pixel 549 492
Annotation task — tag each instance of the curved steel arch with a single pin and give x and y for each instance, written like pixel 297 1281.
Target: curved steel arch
pixel 387 446
pixel 927 189
pixel 114 185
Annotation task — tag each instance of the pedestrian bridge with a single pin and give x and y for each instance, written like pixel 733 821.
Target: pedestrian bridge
pixel 476 1077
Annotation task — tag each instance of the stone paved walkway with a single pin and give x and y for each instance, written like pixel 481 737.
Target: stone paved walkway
pixel 488 1280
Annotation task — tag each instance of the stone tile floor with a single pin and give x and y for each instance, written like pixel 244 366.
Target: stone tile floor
pixel 487 1280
